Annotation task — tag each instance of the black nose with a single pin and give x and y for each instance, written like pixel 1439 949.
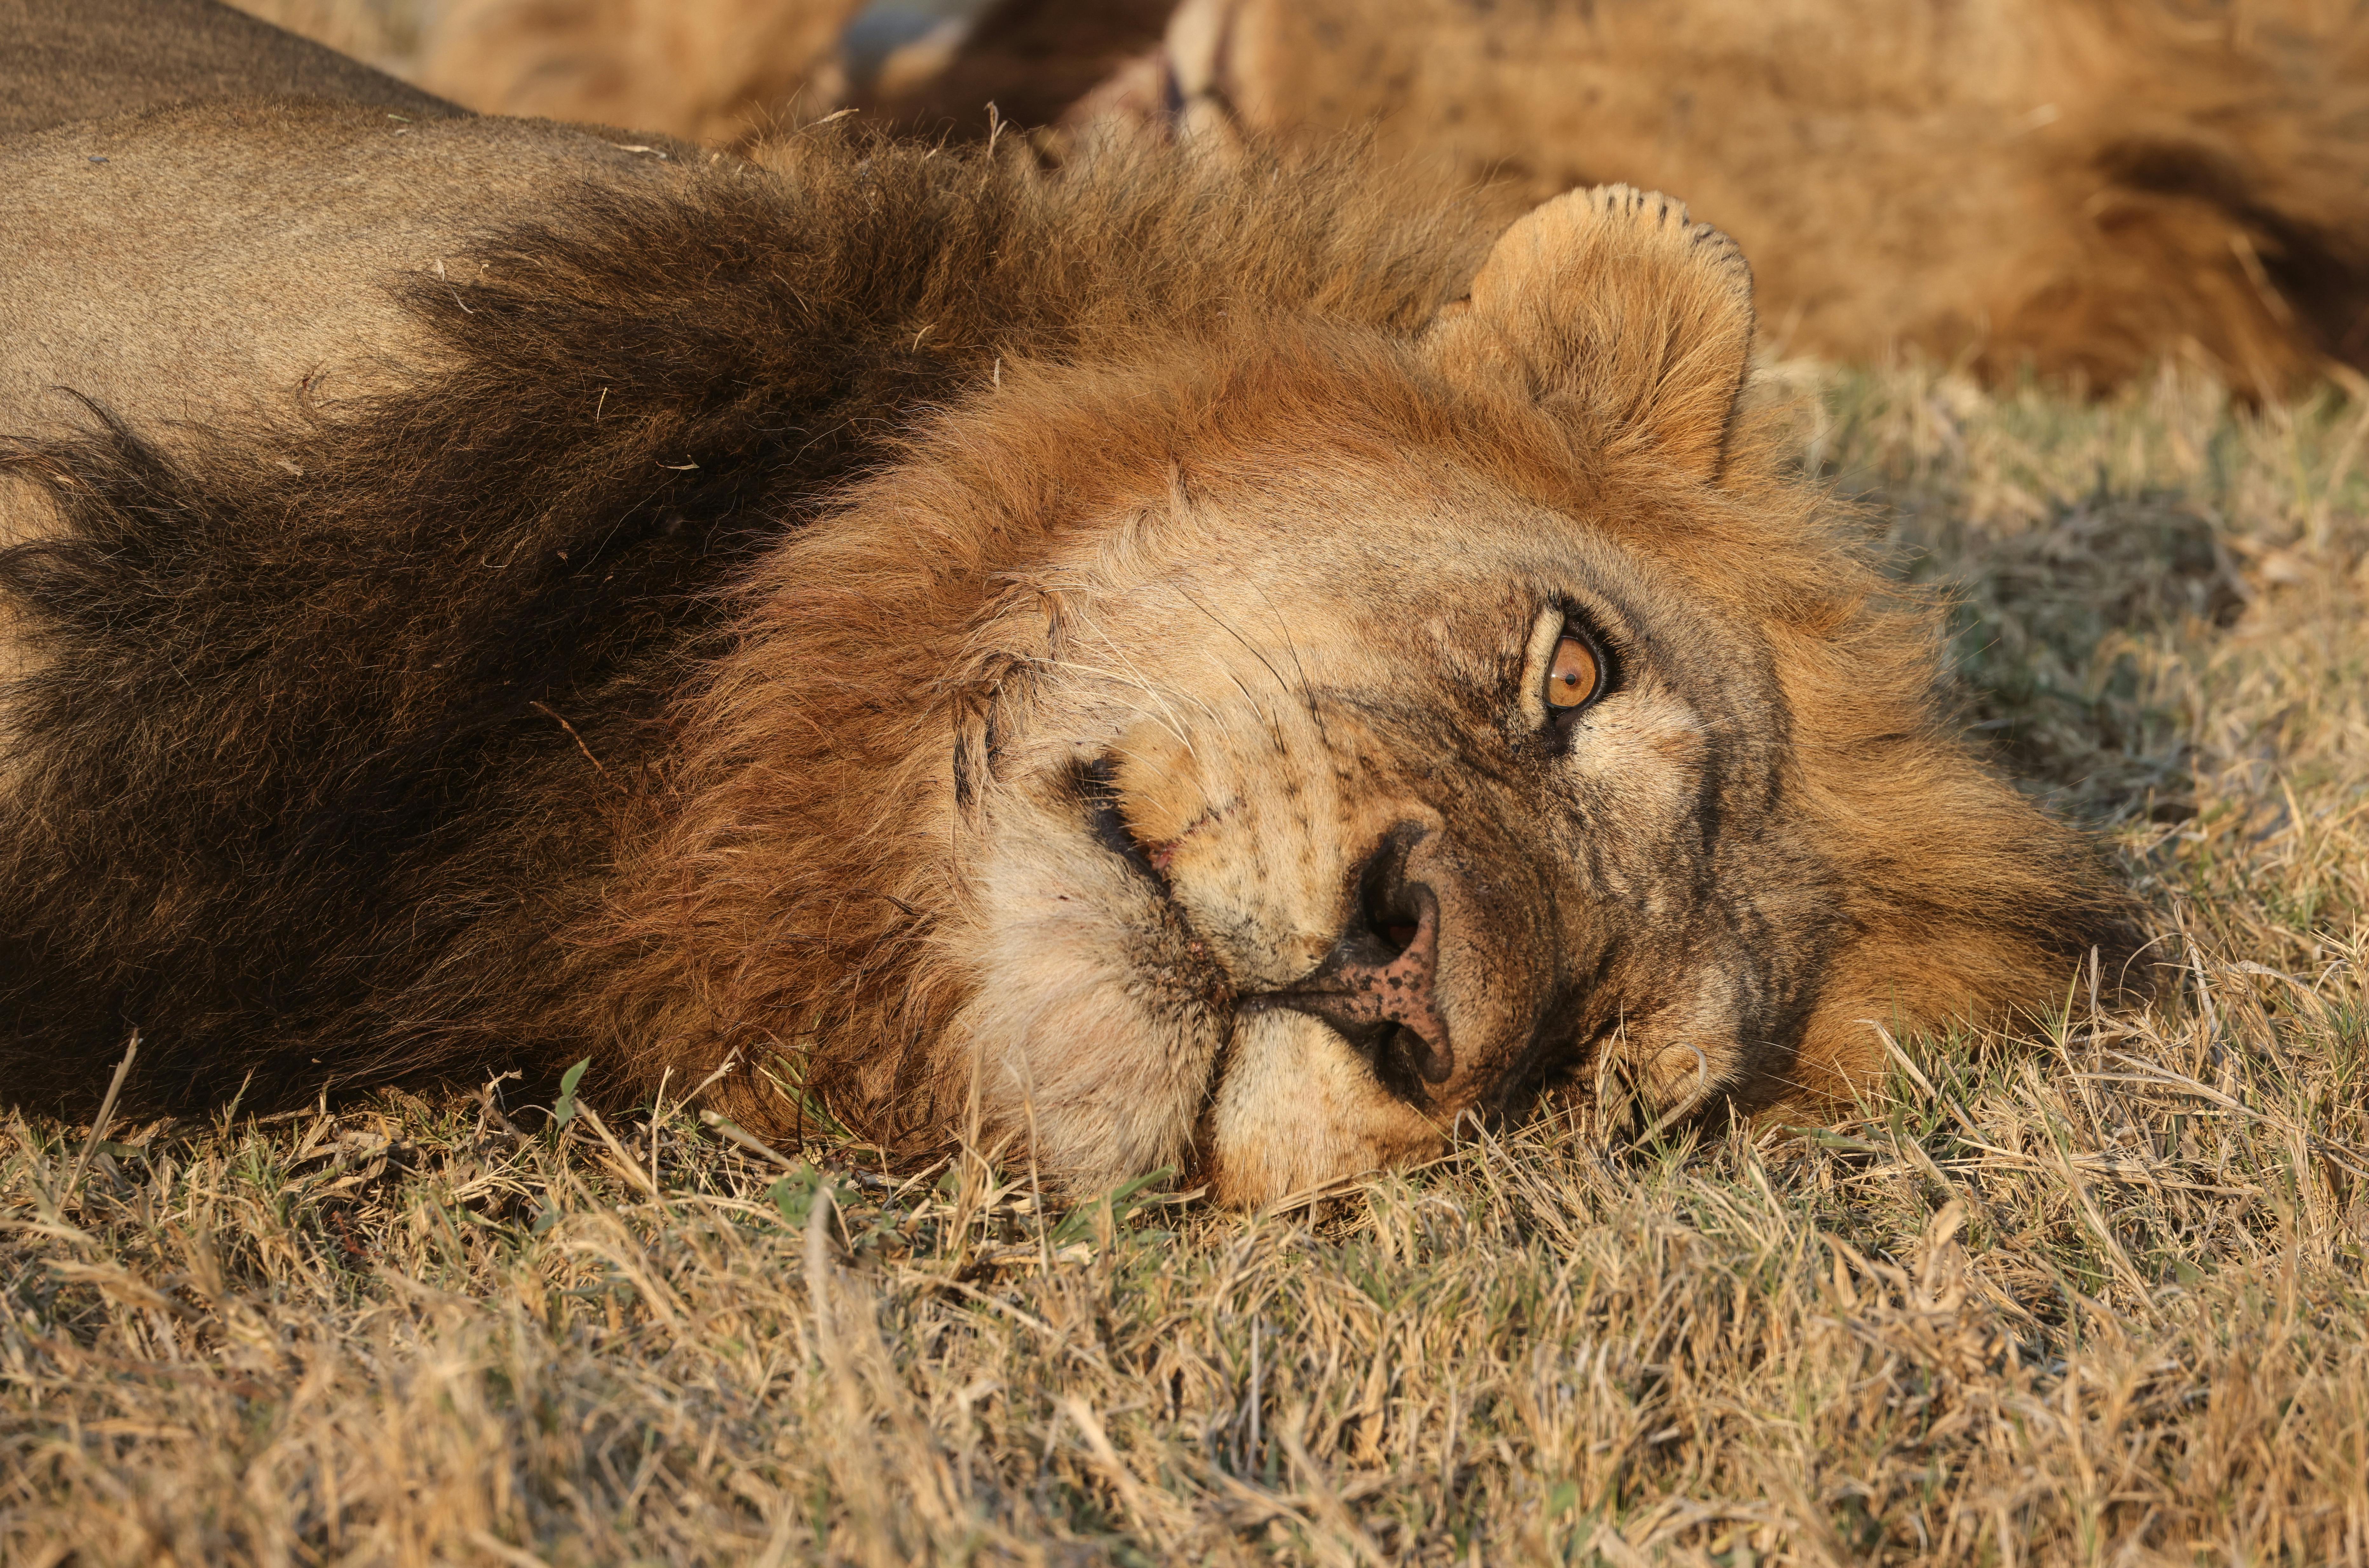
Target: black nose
pixel 1377 987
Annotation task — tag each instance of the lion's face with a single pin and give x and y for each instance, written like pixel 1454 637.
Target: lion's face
pixel 1267 757
pixel 1303 854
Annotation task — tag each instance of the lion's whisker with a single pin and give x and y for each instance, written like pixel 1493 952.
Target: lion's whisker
pixel 1166 718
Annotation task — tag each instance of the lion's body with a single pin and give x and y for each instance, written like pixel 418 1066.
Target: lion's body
pixel 2082 185
pixel 70 60
pixel 204 276
pixel 721 72
pixel 1031 59
pixel 729 73
pixel 1060 649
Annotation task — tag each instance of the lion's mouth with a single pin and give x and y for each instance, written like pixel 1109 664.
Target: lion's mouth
pixel 1378 988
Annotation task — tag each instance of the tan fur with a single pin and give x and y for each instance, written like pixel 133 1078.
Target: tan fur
pixel 721 72
pixel 67 60
pixel 166 310
pixel 2079 185
pixel 1051 655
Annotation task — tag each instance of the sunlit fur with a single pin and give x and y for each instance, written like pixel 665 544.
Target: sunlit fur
pixel 944 636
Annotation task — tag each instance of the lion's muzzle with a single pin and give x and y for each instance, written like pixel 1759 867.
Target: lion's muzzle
pixel 1378 985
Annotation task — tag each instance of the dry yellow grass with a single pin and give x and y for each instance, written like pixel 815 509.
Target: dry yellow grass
pixel 2091 1297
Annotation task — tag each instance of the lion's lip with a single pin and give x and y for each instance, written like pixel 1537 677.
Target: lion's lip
pixel 1367 994
pixel 1109 826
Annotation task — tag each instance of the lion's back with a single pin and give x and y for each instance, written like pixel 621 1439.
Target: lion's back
pixel 192 264
pixel 69 59
pixel 2084 185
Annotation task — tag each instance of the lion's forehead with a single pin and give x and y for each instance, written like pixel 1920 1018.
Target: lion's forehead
pixel 1357 594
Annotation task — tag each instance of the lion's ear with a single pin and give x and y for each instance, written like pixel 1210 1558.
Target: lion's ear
pixel 1612 304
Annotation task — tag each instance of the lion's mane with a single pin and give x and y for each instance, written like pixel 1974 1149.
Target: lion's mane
pixel 461 729
pixel 329 749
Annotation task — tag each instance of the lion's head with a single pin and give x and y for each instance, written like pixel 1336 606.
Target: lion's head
pixel 1259 760
pixel 1161 663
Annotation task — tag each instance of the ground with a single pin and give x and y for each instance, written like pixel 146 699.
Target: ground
pixel 2093 1294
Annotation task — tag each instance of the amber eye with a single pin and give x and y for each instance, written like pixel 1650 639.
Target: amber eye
pixel 1573 677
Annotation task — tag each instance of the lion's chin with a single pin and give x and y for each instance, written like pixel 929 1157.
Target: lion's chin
pixel 1298 1109
pixel 1106 1076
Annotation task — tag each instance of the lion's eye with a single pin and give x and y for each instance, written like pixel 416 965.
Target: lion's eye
pixel 1573 677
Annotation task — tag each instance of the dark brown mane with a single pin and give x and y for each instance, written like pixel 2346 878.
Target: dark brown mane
pixel 321 709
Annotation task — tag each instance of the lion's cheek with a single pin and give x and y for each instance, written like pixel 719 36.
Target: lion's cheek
pixel 1640 766
pixel 1297 1108
pixel 1100 1058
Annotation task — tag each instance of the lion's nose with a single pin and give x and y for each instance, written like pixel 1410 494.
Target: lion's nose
pixel 1378 987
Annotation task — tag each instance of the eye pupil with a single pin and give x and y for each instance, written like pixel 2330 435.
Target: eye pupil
pixel 1572 678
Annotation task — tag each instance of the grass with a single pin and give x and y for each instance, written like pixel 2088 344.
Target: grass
pixel 2091 1297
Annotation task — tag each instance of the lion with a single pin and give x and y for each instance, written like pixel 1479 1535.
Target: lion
pixel 69 59
pixel 721 72
pixel 2080 188
pixel 1235 665
pixel 1032 60
pixel 730 73
pixel 2077 186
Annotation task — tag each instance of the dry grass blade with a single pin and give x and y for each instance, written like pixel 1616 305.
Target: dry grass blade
pixel 100 1123
pixel 754 1145
pixel 621 1162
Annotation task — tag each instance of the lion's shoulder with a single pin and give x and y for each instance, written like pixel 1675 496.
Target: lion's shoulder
pixel 68 60
pixel 188 263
